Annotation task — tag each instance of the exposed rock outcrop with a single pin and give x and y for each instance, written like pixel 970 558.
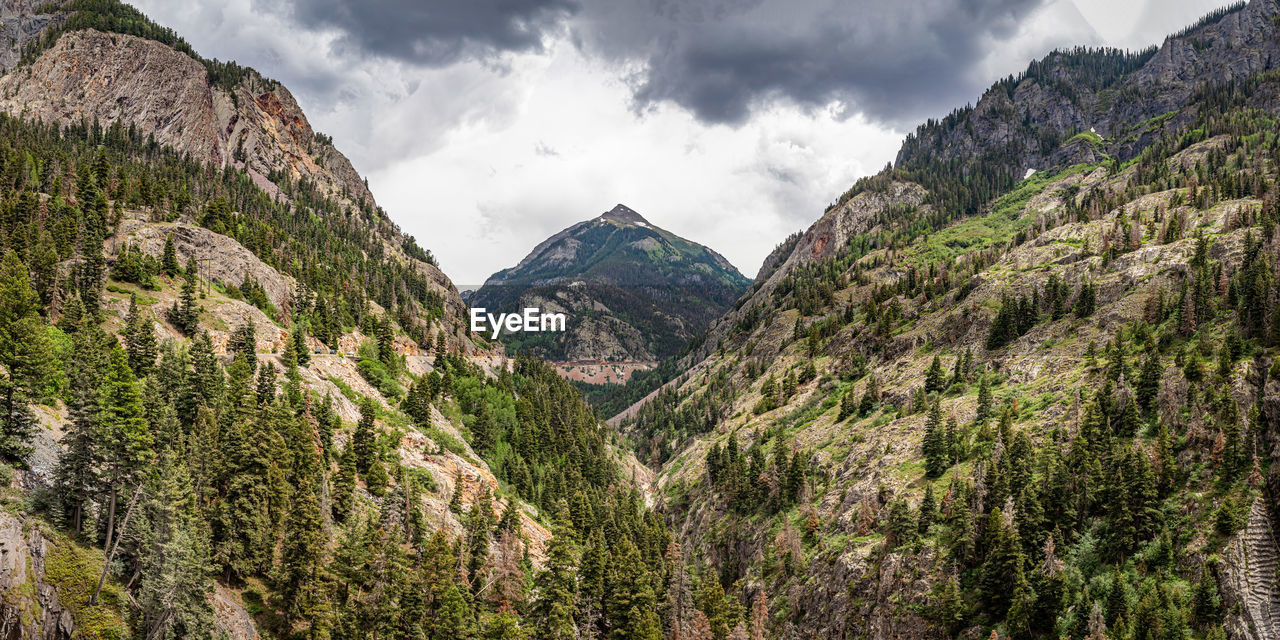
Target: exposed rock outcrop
pixel 1247 573
pixel 31 609
pixel 231 617
pixel 111 77
pixel 1025 120
pixel 219 257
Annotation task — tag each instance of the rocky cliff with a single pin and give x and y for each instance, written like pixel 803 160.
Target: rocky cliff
pixel 109 77
pixel 31 606
pixel 1114 97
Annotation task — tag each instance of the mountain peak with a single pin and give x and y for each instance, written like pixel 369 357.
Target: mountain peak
pixel 623 213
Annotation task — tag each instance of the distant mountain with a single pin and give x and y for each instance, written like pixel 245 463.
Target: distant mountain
pixel 633 292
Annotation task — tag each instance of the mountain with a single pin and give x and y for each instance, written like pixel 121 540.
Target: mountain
pixel 970 400
pixel 236 400
pixel 1020 384
pixel 633 294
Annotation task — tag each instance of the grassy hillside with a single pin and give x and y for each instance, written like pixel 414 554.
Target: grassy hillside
pixel 1049 419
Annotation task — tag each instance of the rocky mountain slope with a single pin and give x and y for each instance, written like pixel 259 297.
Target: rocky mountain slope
pixel 895 433
pixel 184 222
pixel 633 294
pixel 219 114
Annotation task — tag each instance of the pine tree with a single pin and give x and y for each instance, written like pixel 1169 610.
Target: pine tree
pixel 91 270
pixel 363 441
pixel 631 607
pixel 1086 300
pixel 935 380
pixel 169 258
pixel 901 526
pixel 928 510
pixel 124 439
pixel 1148 384
pixel 299 580
pixel 386 343
pixel 343 493
pixel 556 586
pixel 936 455
pixel 174 582
pixel 185 314
pixel 848 405
pixel 244 341
pixel 75 475
pixel 984 400
pixel 1020 616
pixel 299 340
pixel 140 339
pixel 26 352
pixel 1003 564
pixel 26 355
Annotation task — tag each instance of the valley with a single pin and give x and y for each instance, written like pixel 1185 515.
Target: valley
pixel 1022 383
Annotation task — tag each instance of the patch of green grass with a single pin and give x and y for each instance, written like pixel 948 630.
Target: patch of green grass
pixel 1003 222
pixel 1086 136
pixel 345 389
pixel 73 571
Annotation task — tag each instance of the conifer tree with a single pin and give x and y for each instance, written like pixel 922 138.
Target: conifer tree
pixel 386 343
pixel 344 485
pixel 556 586
pixel 1003 564
pixel 169 257
pixel 91 270
pixel 185 314
pixel 984 400
pixel 848 404
pixel 299 581
pixel 928 510
pixel 935 380
pixel 1086 300
pixel 75 475
pixel 124 439
pixel 1148 383
pixel 299 340
pixel 140 339
pixel 936 454
pixel 363 441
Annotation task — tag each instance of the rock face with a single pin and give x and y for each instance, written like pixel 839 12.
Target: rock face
pixel 219 257
pixel 1248 577
pixel 1065 93
pixel 632 292
pixel 21 23
pixel 31 610
pixel 111 77
pixel 231 617
pixel 252 123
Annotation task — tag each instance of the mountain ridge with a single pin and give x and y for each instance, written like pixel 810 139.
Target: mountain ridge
pixel 634 292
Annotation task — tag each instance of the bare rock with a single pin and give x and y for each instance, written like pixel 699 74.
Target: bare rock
pixel 230 616
pixel 1248 577
pixel 219 257
pixel 29 608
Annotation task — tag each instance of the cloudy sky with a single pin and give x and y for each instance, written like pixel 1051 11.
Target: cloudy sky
pixel 484 126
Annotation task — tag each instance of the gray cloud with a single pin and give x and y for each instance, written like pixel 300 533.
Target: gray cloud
pixel 896 62
pixel 431 32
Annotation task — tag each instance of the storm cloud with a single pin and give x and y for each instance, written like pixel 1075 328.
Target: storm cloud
pixel 895 62
pixel 432 32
